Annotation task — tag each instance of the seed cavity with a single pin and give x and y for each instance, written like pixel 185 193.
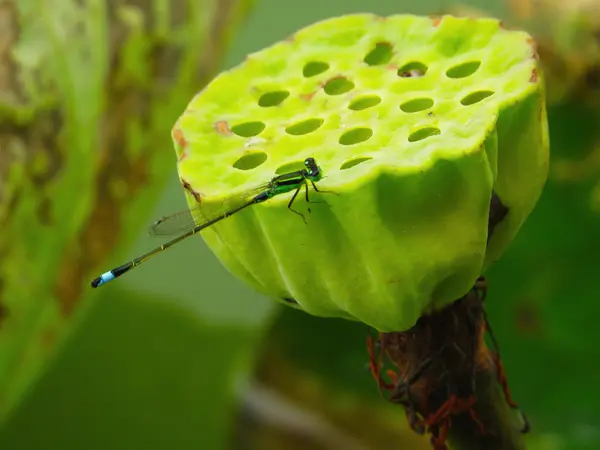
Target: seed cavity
pixel 314 68
pixel 364 102
pixel 250 160
pixel 476 97
pixel 354 162
pixel 356 136
pixel 463 70
pixel 290 167
pixel 304 127
pixel 413 69
pixel 416 105
pixel 423 133
pixel 274 98
pixel 248 129
pixel 381 54
pixel 338 85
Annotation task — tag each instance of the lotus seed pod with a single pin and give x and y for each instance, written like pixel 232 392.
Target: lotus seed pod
pixel 414 122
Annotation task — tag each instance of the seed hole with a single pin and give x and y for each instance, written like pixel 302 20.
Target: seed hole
pixel 476 97
pixel 354 162
pixel 338 85
pixel 304 127
pixel 423 133
pixel 274 98
pixel 381 54
pixel 250 161
pixel 416 105
pixel 463 70
pixel 356 136
pixel 290 167
pixel 412 69
pixel 314 68
pixel 248 129
pixel 367 101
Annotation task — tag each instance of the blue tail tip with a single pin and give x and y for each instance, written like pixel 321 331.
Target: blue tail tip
pixel 104 278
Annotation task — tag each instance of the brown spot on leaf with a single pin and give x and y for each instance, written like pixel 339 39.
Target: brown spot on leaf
pixel 3 307
pixel 222 127
pixel 534 76
pixel 43 144
pixel 527 317
pixel 592 77
pixel 49 338
pixel 188 187
pixel 44 212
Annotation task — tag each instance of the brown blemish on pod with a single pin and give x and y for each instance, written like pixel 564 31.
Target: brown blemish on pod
pixel 222 127
pixel 188 187
pixel 179 139
pixel 534 52
pixel 534 76
pixel 182 155
pixel 308 97
pixel 436 20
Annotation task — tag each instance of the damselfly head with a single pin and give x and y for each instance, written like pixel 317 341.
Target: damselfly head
pixel 313 171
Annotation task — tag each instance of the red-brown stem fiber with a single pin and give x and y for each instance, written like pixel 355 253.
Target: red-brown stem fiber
pixel 450 383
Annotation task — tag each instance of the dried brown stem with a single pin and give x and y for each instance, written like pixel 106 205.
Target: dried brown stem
pixel 449 381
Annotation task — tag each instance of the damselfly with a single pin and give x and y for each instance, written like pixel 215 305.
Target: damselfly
pixel 280 184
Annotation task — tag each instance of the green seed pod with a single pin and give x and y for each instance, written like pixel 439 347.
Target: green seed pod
pixel 414 122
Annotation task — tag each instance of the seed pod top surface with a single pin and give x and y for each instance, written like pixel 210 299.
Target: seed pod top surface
pixel 414 122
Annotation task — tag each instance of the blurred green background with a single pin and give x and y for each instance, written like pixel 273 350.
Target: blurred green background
pixel 179 354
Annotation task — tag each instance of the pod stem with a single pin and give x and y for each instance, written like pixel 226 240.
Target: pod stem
pixel 452 385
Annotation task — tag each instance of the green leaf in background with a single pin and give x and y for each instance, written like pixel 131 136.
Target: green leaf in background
pixel 138 373
pixel 94 89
